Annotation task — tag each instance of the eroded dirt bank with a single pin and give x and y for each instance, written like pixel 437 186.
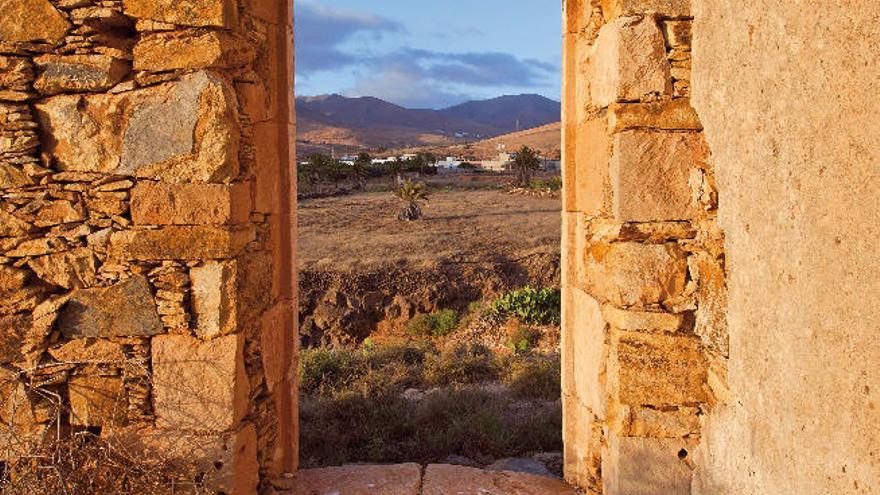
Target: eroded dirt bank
pixel 362 271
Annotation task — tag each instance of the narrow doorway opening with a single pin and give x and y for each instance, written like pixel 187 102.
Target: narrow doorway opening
pixel 428 167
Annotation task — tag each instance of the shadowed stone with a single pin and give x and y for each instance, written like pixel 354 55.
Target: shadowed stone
pixel 97 401
pixel 78 73
pixel 647 466
pixel 123 310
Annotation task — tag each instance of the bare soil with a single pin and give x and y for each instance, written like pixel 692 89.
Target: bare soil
pixel 362 271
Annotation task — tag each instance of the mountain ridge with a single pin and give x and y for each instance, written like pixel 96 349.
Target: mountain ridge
pixel 368 122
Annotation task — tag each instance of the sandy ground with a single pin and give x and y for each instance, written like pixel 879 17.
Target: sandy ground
pixel 362 230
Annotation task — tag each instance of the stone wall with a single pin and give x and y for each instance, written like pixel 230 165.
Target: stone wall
pixel 644 291
pixel 146 280
pixel 786 91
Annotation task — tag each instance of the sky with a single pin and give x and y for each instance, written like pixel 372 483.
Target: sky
pixel 428 53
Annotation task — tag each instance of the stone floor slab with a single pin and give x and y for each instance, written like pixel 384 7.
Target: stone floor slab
pixel 445 479
pixel 399 479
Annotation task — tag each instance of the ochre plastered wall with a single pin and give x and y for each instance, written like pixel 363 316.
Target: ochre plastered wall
pixel 644 334
pixel 147 228
pixel 786 91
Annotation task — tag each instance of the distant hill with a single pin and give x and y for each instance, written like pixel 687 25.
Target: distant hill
pixel 349 124
pixel 546 139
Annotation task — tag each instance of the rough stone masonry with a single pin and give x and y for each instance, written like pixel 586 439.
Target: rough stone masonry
pixel 644 285
pixel 145 239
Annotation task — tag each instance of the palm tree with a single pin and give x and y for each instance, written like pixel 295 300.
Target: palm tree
pixel 525 164
pixel 412 194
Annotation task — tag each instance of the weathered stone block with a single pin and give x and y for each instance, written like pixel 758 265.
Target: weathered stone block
pixel 667 8
pixel 642 320
pixel 650 174
pixel 278 344
pixel 57 213
pixel 400 479
pixel 191 243
pixel 198 385
pixel 657 369
pixel 97 401
pixel 582 435
pixel 586 186
pixel 187 50
pixel 647 466
pixel 678 34
pixel 585 350
pixel 15 72
pixel 220 13
pixel 630 274
pixel 670 115
pixel 122 310
pixel 182 131
pixel 190 204
pixel 711 314
pixel 628 62
pixel 69 269
pixel 31 20
pixel 662 423
pixel 12 177
pixel 79 73
pixel 214 298
pixel 443 479
pixel 96 351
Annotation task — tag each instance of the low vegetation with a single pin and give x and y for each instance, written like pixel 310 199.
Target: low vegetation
pixel 412 195
pixel 439 324
pixel 531 305
pixel 410 401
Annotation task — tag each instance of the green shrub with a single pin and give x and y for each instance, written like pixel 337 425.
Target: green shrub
pixel 437 324
pixel 327 370
pixel 553 184
pixel 538 306
pixel 534 378
pixel 461 364
pixel 522 338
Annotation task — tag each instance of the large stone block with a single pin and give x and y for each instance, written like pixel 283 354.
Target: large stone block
pixel 657 369
pixel 190 204
pixel 628 62
pixel 181 131
pixel 662 423
pixel 642 320
pixel 585 350
pixel 198 385
pixel 711 314
pixel 443 479
pixel 631 274
pixel 78 73
pixel 278 345
pixel 97 401
pixel 586 183
pixel 650 175
pixel 220 13
pixel 31 20
pixel 669 115
pixel 214 298
pixel 191 243
pixel 400 479
pixel 122 310
pixel 647 466
pixel 582 438
pixel 186 50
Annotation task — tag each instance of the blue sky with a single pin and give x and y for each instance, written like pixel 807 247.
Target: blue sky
pixel 428 53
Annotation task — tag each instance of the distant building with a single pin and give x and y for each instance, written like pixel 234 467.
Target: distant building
pixel 448 166
pixel 499 164
pixel 551 165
